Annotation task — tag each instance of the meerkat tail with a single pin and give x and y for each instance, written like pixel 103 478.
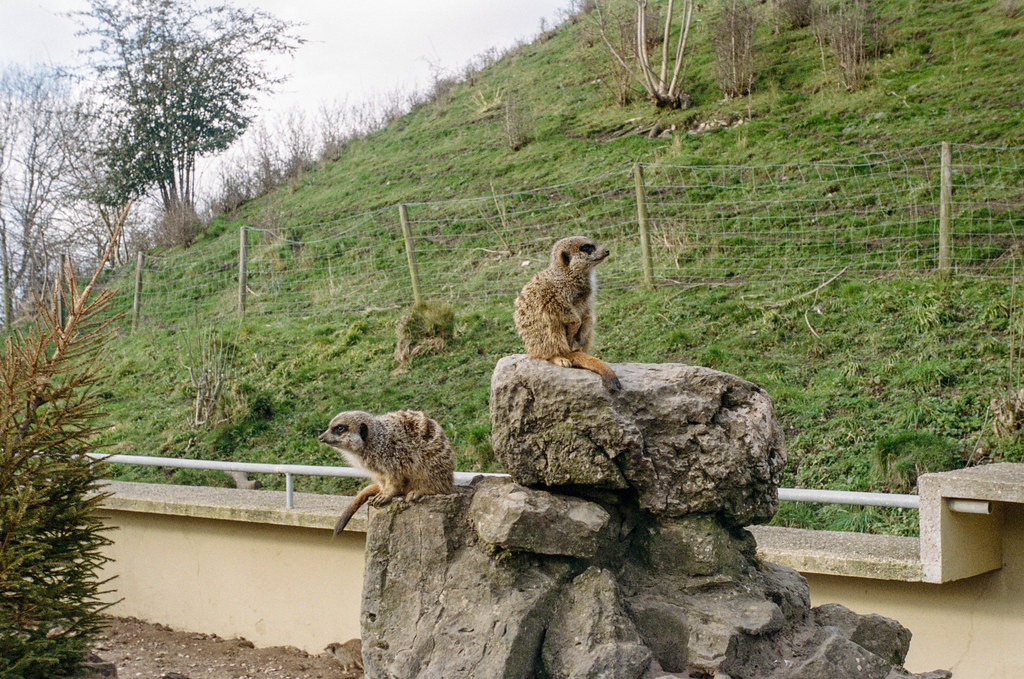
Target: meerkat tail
pixel 356 503
pixel 596 365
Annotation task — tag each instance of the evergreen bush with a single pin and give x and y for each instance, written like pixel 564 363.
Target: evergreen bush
pixel 51 538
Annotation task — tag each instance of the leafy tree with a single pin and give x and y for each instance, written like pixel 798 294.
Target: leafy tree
pixel 180 78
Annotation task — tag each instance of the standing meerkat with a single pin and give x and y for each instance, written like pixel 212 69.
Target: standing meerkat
pixel 555 310
pixel 405 452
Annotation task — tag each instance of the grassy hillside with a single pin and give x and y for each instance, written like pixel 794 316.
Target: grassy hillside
pixel 887 370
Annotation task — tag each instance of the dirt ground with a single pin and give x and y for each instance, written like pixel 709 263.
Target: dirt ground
pixel 142 650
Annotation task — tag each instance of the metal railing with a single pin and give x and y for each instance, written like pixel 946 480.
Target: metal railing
pixel 850 497
pixel 845 497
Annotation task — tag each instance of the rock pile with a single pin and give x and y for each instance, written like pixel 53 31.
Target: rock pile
pixel 617 550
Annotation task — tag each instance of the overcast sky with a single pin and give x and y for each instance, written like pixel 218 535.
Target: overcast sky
pixel 355 48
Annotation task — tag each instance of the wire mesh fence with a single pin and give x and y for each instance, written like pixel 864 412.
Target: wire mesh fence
pixel 875 215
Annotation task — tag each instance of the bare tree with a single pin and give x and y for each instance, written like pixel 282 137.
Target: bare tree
pixel 518 123
pixel 8 134
pixel 848 26
pixel 55 197
pixel 335 129
pixel 845 28
pixel 663 88
pixel 35 159
pixel 207 366
pixel 93 199
pixel 795 13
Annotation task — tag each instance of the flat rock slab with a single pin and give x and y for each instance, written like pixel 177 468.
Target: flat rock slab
pixel 681 439
pixel 524 520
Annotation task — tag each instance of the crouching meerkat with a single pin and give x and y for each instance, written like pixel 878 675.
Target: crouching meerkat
pixel 555 310
pixel 405 452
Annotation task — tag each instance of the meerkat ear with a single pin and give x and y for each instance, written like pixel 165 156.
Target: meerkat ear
pixel 565 258
pixel 364 431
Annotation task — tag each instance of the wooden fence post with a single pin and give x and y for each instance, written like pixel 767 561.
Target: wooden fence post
pixel 641 216
pixel 140 260
pixel 403 215
pixel 243 273
pixel 945 207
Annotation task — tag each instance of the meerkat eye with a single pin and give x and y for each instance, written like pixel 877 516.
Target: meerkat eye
pixel 340 429
pixel 588 248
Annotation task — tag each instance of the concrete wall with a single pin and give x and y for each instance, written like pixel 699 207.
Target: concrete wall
pixel 974 627
pixel 236 563
pixel 251 575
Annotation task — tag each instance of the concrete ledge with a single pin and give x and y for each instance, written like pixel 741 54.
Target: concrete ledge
pixel 957 545
pixel 1003 482
pixel 879 557
pixel 232 504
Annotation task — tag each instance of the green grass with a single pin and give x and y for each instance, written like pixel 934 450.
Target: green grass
pixel 887 352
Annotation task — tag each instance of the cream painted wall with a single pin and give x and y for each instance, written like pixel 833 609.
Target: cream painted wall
pixel 974 627
pixel 274 585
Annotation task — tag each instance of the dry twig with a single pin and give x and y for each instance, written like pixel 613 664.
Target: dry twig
pixel 778 305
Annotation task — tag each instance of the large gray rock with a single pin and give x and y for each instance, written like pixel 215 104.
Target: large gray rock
pixel 440 601
pixel 837 656
pixel 435 608
pixel 590 637
pixel 697 544
pixel 625 558
pixel 681 439
pixel 717 622
pixel 882 636
pixel 520 519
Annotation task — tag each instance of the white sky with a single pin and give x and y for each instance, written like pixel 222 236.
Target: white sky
pixel 354 48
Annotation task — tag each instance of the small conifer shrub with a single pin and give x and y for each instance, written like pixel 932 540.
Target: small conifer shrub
pixel 51 538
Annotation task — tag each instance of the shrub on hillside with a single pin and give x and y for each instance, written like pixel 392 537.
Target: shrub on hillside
pixel 518 123
pixel 901 458
pixel 425 328
pixel 178 226
pixel 846 28
pixel 795 13
pixel 50 535
pixel 733 35
pixel 1011 9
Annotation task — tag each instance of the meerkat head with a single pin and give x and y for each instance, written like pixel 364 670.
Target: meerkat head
pixel 578 254
pixel 347 433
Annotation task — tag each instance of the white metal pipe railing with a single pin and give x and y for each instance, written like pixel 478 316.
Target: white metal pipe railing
pixel 848 497
pixel 289 470
pixel 967 506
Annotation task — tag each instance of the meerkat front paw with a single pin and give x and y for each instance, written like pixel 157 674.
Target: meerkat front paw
pixel 382 499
